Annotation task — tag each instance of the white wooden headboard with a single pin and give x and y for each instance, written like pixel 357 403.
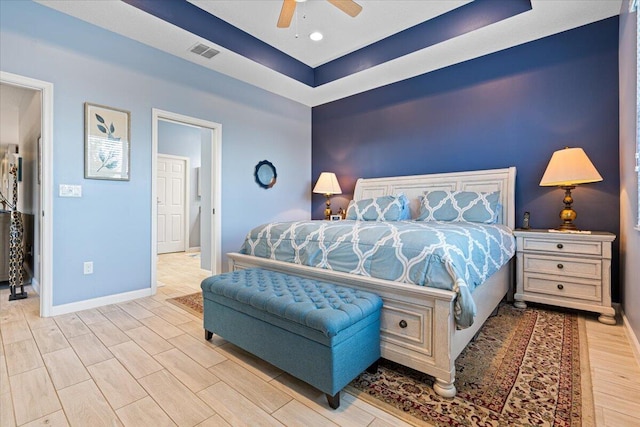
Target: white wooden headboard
pixel 415 186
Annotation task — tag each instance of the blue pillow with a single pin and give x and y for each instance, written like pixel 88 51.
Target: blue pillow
pixel 384 208
pixel 470 206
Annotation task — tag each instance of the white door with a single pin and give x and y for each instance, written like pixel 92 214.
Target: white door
pixel 171 181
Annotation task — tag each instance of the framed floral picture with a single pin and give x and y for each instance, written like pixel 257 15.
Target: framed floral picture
pixel 106 142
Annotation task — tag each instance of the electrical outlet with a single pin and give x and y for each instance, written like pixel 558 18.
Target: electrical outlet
pixel 88 267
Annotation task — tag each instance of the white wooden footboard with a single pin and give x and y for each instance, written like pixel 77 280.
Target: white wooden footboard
pixel 417 324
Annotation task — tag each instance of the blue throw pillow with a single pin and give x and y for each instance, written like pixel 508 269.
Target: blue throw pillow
pixel 384 208
pixel 471 206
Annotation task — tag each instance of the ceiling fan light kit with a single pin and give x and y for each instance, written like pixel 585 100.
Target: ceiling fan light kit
pixel 349 7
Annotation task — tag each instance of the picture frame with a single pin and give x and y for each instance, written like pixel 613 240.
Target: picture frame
pixel 107 145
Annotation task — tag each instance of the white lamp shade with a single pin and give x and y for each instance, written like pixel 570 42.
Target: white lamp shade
pixel 327 184
pixel 569 166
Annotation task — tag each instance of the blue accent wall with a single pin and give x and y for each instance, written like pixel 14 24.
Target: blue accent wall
pixel 511 108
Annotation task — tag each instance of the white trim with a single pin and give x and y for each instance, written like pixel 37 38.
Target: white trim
pixel 35 285
pixel 633 339
pixel 194 249
pixel 99 302
pixel 216 186
pixel 186 191
pixel 46 185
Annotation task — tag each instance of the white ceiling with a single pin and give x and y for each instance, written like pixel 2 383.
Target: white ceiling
pixel 14 100
pixel 15 97
pixel 343 34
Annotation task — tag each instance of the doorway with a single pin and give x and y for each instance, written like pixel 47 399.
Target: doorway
pixel 39 153
pixel 210 190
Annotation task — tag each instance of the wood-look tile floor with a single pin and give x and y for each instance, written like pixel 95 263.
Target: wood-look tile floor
pixel 146 363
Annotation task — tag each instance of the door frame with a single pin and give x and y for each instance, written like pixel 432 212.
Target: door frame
pixel 45 216
pixel 216 186
pixel 186 192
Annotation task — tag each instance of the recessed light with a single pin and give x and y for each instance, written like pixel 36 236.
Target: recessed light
pixel 316 36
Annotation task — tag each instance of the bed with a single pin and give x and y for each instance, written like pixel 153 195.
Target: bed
pixel 418 323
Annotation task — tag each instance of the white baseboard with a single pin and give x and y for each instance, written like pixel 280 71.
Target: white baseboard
pixel 35 285
pixel 633 339
pixel 72 307
pixel 194 249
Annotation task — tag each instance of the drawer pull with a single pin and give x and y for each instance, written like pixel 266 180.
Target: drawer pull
pixel 560 266
pixel 403 324
pixel 560 286
pixel 560 246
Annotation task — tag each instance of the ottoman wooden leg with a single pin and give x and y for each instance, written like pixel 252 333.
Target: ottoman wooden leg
pixel 207 335
pixel 334 401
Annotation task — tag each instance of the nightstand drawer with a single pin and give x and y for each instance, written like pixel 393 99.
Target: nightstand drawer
pixel 565 269
pixel 563 287
pixel 564 266
pixel 562 246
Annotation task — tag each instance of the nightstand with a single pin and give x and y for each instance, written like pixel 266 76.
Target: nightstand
pixel 566 270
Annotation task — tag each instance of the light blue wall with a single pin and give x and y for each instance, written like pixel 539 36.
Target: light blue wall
pixel 111 224
pixel 185 141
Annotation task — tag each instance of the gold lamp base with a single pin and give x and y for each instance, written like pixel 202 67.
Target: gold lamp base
pixel 327 210
pixel 568 215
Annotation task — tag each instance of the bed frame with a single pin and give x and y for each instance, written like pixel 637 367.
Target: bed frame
pixel 417 325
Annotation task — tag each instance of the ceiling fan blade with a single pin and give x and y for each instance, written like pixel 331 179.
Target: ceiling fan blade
pixel 288 7
pixel 349 7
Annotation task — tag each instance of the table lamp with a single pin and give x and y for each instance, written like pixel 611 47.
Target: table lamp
pixel 566 169
pixel 327 184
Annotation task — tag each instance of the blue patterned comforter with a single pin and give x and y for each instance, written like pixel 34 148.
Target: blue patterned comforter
pixel 456 256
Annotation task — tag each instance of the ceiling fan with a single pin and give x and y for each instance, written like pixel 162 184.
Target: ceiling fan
pixel 349 7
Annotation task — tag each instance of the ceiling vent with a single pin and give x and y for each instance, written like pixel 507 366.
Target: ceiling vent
pixel 204 50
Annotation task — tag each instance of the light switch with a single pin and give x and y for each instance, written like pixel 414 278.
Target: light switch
pixel 66 190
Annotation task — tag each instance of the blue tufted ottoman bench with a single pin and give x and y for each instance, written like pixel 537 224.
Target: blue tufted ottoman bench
pixel 323 334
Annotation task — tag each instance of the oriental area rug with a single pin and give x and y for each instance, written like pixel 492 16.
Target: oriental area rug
pixel 525 368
